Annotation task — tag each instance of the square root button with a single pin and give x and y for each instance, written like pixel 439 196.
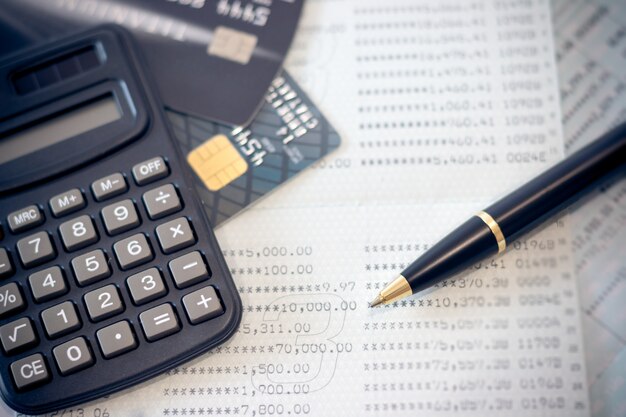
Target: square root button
pixel 202 305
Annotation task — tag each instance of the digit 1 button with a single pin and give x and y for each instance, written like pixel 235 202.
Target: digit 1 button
pixel 47 284
pixel 73 356
pixel 30 372
pixel 17 335
pixel 60 319
pixel 150 170
pixel 35 249
pixel 146 286
pixel 116 339
pixel 120 217
pixel 175 235
pixel 78 233
pixel 202 305
pixel 159 322
pixel 133 251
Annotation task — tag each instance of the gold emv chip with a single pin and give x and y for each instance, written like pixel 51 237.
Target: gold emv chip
pixel 217 162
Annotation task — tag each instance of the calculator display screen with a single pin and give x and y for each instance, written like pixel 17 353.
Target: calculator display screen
pixel 63 126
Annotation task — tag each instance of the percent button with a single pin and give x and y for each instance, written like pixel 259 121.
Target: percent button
pixel 11 299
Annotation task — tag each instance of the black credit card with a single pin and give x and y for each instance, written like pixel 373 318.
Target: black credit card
pixel 236 167
pixel 210 58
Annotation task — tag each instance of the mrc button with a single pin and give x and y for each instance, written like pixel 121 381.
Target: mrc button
pixel 29 372
pixel 150 170
pixel 25 218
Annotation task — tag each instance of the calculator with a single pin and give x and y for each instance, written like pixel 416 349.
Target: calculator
pixel 109 271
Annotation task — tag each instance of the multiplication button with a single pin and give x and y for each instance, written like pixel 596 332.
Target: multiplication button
pixel 175 235
pixel 116 339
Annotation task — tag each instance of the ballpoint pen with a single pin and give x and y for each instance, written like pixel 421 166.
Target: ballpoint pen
pixel 489 231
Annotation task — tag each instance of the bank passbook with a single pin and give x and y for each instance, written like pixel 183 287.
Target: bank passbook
pixel 236 167
pixel 109 271
pixel 210 58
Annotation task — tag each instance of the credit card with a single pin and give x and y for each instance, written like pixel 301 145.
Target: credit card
pixel 210 58
pixel 236 167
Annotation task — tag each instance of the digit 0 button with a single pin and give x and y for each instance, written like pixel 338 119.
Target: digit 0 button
pixel 73 356
pixel 150 171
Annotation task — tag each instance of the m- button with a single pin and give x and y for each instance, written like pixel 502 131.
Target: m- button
pixel 30 371
pixel 150 170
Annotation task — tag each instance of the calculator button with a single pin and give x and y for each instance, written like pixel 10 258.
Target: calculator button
pixel 202 305
pixel 159 322
pixel 132 251
pixel 116 339
pixel 60 319
pixel 146 286
pixel 120 217
pixel 161 201
pixel 29 372
pixel 6 269
pixel 35 249
pixel 91 267
pixel 67 202
pixel 17 335
pixel 78 233
pixel 150 170
pixel 188 269
pixel 109 186
pixel 47 284
pixel 11 299
pixel 103 303
pixel 175 235
pixel 25 218
pixel 73 356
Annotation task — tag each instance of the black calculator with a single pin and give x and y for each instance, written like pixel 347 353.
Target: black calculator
pixel 109 271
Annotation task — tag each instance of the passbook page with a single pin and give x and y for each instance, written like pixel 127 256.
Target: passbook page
pixel 442 106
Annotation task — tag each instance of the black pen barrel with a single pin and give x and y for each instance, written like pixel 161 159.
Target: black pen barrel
pixel 501 223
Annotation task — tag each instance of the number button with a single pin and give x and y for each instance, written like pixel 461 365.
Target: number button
pixel 67 202
pixel 159 322
pixel 35 249
pixel 90 267
pixel 103 303
pixel 116 339
pixel 133 251
pixel 146 286
pixel 17 335
pixel 120 217
pixel 6 269
pixel 47 284
pixel 161 201
pixel 175 235
pixel 73 356
pixel 78 233
pixel 60 319
pixel 11 300
pixel 29 372
pixel 25 218
pixel 109 186
pixel 188 269
pixel 150 170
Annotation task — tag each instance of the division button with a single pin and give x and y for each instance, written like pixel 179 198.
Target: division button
pixel 6 269
pixel 161 201
pixel 150 171
pixel 17 335
pixel 188 269
pixel 109 186
pixel 30 372
pixel 116 339
pixel 159 322
pixel 202 305
pixel 25 218
pixel 73 356
pixel 67 202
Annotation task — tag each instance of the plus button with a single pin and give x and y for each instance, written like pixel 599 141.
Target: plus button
pixel 204 301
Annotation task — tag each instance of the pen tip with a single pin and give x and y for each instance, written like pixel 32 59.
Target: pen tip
pixel 376 301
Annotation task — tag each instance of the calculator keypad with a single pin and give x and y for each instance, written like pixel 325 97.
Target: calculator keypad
pixel 35 249
pixel 78 233
pixel 92 263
